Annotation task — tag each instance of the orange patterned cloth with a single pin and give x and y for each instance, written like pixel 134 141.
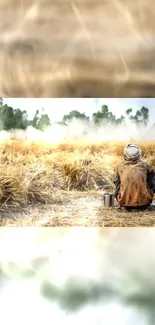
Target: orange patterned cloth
pixel 132 183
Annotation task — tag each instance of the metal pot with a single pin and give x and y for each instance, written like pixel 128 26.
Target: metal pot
pixel 108 200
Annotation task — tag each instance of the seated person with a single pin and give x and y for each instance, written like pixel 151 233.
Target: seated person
pixel 134 181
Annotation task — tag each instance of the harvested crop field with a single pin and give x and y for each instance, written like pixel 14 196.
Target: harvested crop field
pixel 60 185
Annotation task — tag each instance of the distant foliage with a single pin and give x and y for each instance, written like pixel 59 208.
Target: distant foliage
pixel 74 115
pixel 140 118
pixel 17 119
pixel 105 116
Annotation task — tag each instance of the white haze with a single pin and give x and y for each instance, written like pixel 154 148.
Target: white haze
pixel 105 256
pixel 81 130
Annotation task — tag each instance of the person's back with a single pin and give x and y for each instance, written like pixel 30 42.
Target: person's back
pixel 134 180
pixel 133 188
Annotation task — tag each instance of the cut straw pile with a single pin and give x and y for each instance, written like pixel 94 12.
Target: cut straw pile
pixel 12 185
pixel 86 174
pixel 37 172
pixel 43 183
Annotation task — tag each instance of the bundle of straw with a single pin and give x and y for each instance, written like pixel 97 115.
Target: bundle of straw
pixel 86 175
pixel 13 189
pixel 43 183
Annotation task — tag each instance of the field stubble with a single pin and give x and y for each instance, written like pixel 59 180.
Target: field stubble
pixel 60 185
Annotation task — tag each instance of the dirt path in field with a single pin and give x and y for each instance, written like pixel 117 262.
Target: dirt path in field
pixel 76 209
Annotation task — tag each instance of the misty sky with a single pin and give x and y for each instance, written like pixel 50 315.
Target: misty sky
pixel 57 107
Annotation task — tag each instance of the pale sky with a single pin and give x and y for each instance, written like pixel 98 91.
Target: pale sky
pixel 57 107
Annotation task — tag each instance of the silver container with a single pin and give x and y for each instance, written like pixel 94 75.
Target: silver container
pixel 108 200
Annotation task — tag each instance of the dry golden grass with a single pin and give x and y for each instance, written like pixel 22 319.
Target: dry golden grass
pixel 58 185
pixel 35 172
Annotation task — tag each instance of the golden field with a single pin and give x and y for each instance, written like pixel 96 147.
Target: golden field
pixel 46 175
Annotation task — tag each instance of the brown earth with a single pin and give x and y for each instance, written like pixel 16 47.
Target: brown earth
pixel 76 209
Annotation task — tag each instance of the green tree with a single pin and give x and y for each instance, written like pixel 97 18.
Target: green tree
pixel 141 118
pixel 40 122
pixel 104 116
pixel 128 112
pixel 12 119
pixel 74 115
pixel 35 119
pixel 44 122
pixel 7 117
pixel 145 115
pixel 101 116
pixel 21 119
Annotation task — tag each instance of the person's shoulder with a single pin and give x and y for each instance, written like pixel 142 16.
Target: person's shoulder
pixel 120 165
pixel 146 165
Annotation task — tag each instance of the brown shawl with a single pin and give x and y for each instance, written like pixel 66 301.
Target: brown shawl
pixel 134 190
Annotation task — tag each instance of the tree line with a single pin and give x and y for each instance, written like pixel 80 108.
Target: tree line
pixel 11 118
